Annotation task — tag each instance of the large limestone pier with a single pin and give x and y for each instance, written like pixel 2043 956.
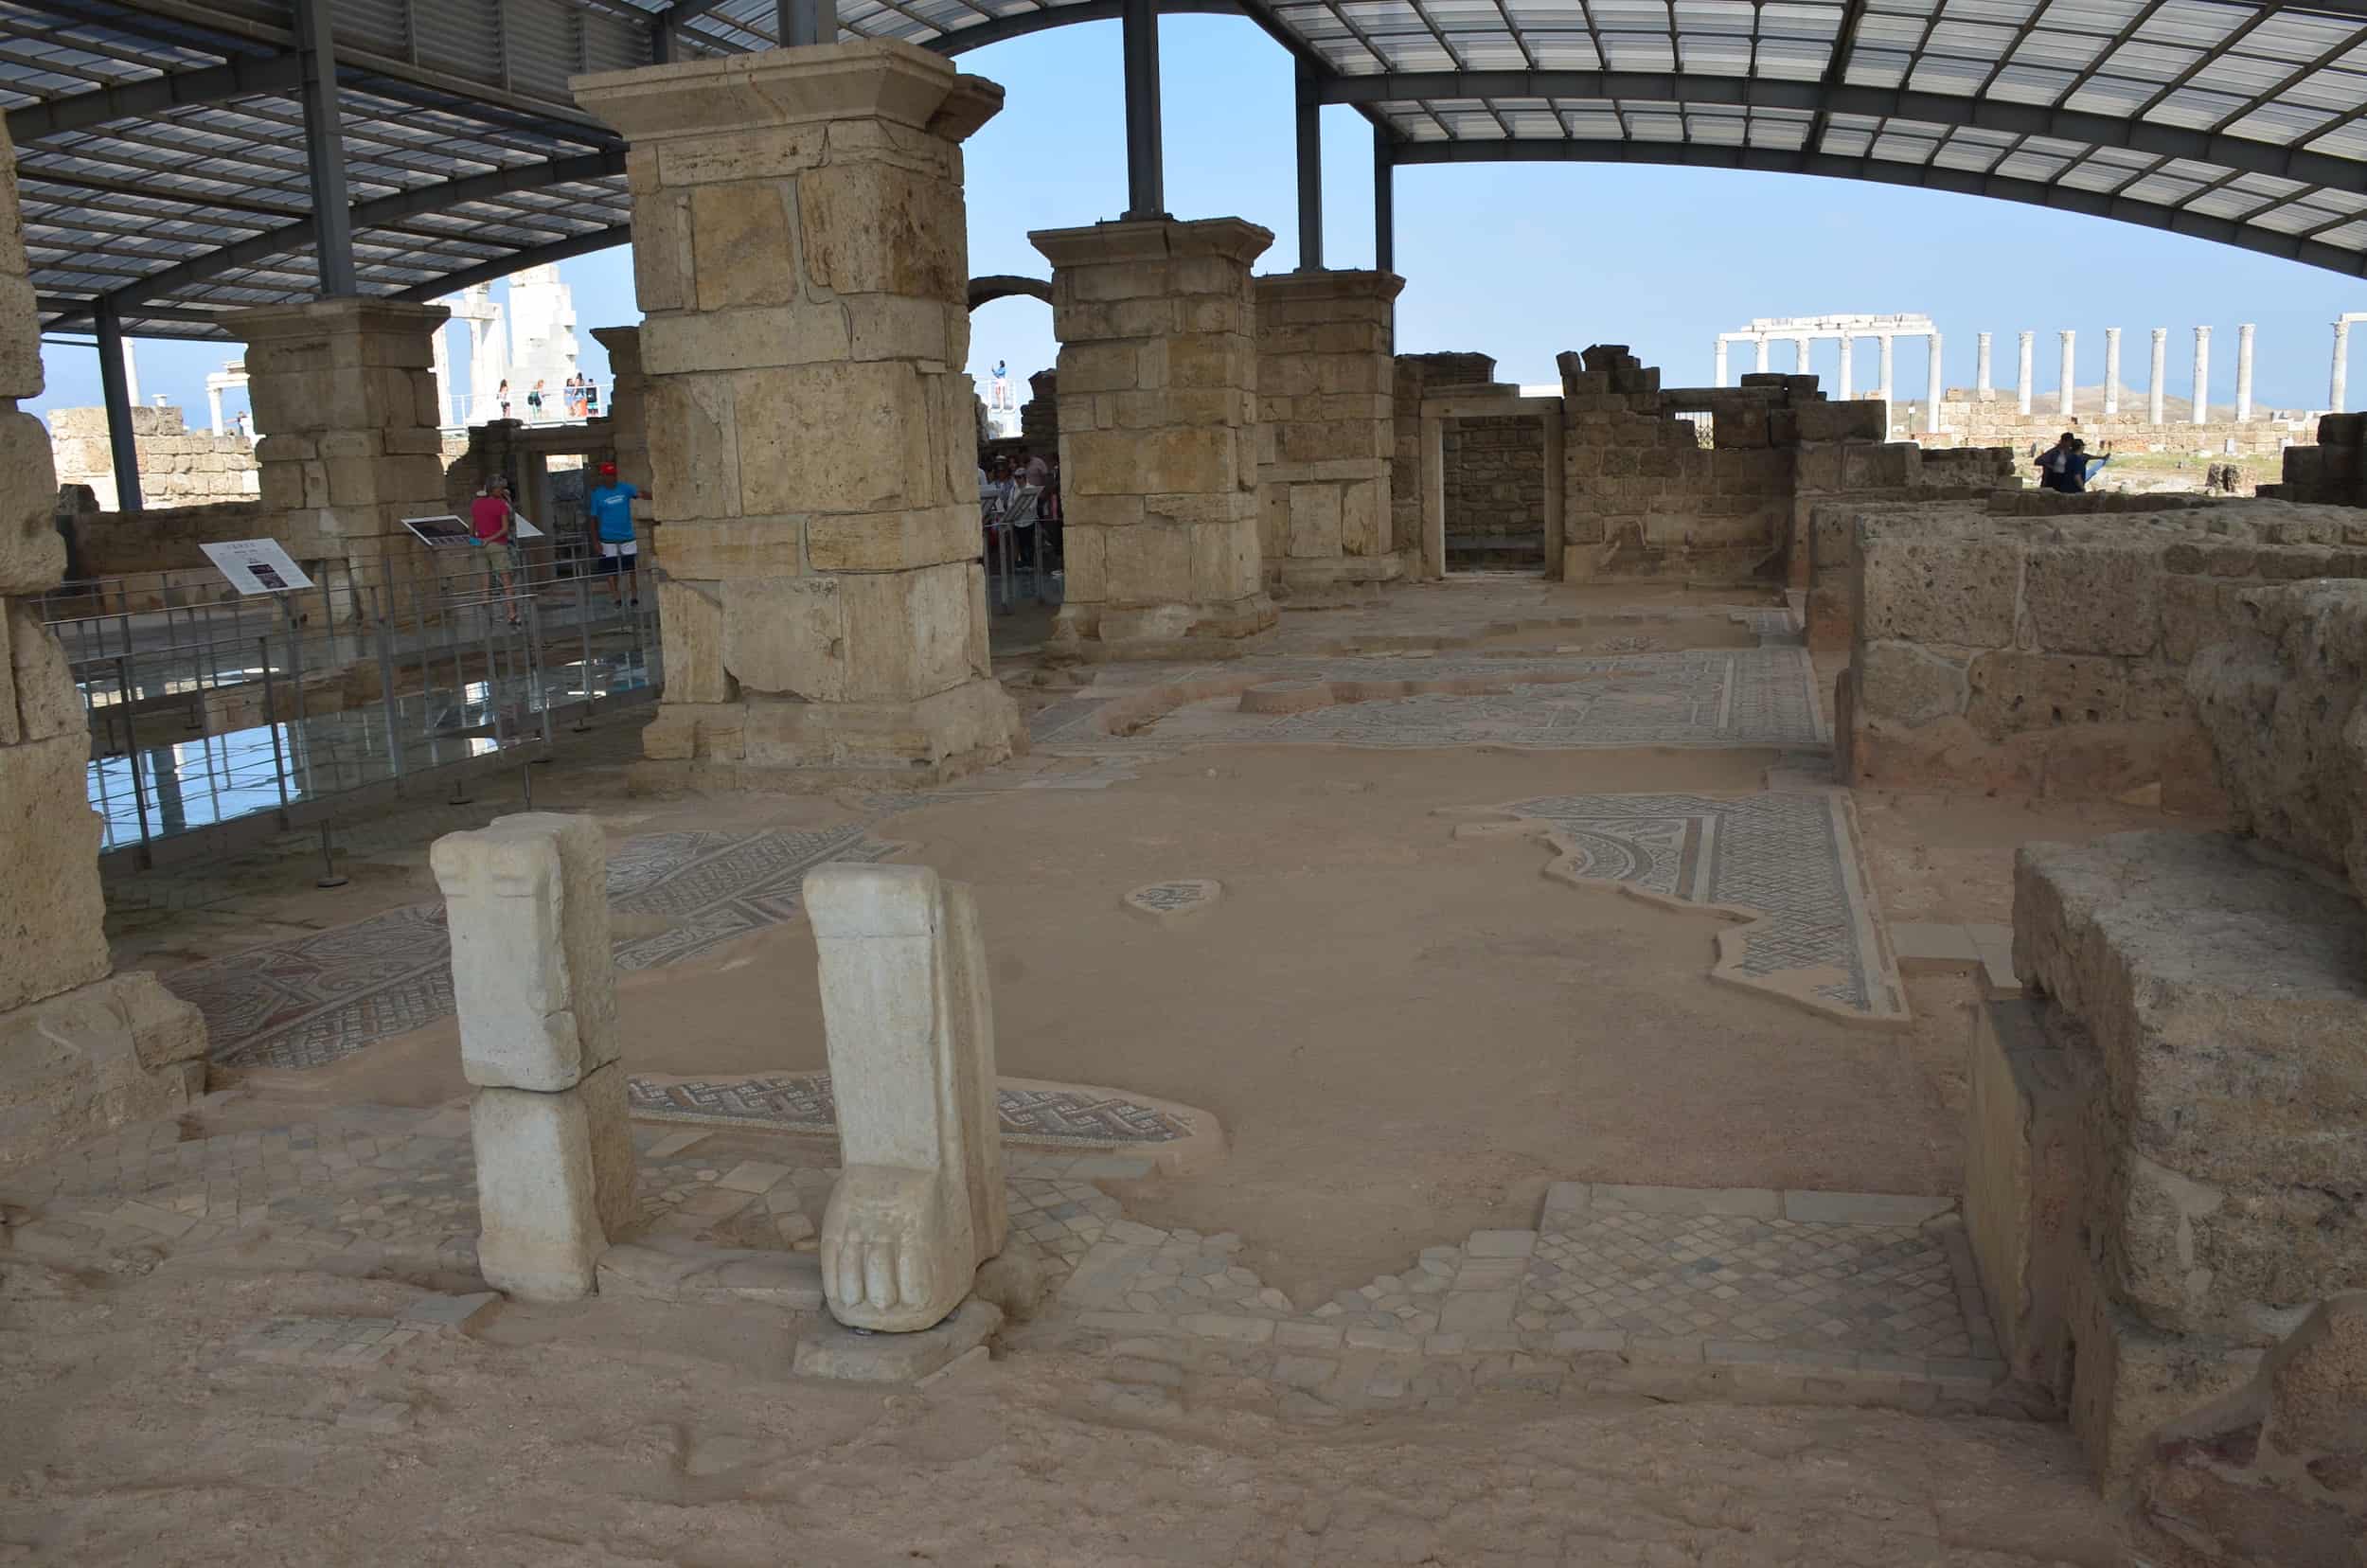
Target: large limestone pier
pixel 800 253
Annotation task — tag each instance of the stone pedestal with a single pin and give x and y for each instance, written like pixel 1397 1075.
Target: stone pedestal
pixel 919 1200
pixel 346 390
pixel 1325 400
pixel 527 902
pixel 1157 378
pixel 799 249
pixel 81 1050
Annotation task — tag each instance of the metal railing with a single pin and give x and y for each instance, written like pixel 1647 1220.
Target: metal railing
pixel 216 716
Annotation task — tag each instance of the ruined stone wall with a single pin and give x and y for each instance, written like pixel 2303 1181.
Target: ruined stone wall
pixel 2331 472
pixel 2048 656
pixel 2001 422
pixel 167 539
pixel 1495 491
pixel 1039 416
pixel 1418 376
pixel 178 466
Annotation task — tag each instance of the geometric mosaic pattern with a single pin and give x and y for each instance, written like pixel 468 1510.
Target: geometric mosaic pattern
pixel 1698 697
pixel 801 1102
pixel 313 1000
pixel 1802 1285
pixel 1786 858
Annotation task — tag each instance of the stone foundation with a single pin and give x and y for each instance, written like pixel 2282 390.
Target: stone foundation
pixel 2048 658
pixel 1159 435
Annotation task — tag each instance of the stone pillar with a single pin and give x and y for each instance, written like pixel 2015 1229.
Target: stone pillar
pixel 2023 384
pixel 799 252
pixel 626 409
pixel 2154 387
pixel 2337 390
pixel 1848 372
pixel 2243 372
pixel 81 1049
pixel 910 1029
pixel 1801 363
pixel 1887 344
pixel 1935 382
pixel 346 389
pixel 1980 387
pixel 527 902
pixel 1718 362
pixel 213 408
pixel 2111 371
pixel 1159 438
pixel 2066 375
pixel 1760 363
pixel 2201 409
pixel 1322 475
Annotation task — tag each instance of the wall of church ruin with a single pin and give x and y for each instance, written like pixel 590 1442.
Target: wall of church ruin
pixel 1495 491
pixel 179 467
pixel 2001 422
pixel 2029 656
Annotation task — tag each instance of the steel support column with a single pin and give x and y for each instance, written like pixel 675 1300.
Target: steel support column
pixel 325 152
pixel 1310 158
pixel 1146 160
pixel 1385 201
pixel 116 389
pixel 807 22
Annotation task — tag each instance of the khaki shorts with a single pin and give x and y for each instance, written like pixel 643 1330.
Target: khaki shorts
pixel 499 556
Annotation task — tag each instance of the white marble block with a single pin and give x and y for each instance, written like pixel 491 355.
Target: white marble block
pixel 527 902
pixel 919 1202
pixel 554 1177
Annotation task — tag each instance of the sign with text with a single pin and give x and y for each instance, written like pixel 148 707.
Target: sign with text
pixel 257 565
pixel 443 533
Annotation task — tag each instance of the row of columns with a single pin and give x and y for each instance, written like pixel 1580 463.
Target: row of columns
pixel 2067 379
pixel 1802 341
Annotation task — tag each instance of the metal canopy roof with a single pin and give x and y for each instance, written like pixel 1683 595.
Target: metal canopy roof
pixel 162 146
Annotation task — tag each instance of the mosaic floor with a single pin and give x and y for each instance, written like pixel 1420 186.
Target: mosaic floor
pixel 1789 858
pixel 801 1102
pixel 312 1001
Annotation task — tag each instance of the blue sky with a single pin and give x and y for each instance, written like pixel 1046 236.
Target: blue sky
pixel 1524 260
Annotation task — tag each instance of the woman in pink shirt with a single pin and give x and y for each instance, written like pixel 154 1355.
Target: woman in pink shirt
pixel 490 519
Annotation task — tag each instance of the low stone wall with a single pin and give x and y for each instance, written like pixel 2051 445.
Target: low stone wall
pixel 167 539
pixel 2048 656
pixel 2000 422
pixel 2330 472
pixel 179 467
pixel 2166 1178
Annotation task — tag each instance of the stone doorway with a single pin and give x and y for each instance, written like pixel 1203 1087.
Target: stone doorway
pixel 1492 484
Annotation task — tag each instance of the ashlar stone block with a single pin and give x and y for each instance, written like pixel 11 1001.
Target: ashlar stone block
pixel 919 1202
pixel 527 902
pixel 554 1178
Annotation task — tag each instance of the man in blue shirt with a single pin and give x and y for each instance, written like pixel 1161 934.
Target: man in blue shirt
pixel 611 506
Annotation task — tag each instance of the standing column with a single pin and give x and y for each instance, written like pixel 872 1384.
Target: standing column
pixel 1848 370
pixel 2337 388
pixel 346 389
pixel 1981 390
pixel 2023 387
pixel 2201 409
pixel 1322 356
pixel 2111 371
pixel 2067 376
pixel 526 903
pixel 1936 384
pixel 1159 434
pixel 85 1049
pixel 213 407
pixel 1762 349
pixel 1886 342
pixel 2243 372
pixel 1718 362
pixel 2154 387
pixel 824 614
pixel 1801 363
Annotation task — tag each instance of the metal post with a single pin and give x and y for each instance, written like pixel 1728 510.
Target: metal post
pixel 325 151
pixel 270 724
pixel 807 22
pixel 1311 161
pixel 583 631
pixel 132 747
pixel 115 388
pixel 1384 205
pixel 328 876
pixel 1145 171
pixel 386 688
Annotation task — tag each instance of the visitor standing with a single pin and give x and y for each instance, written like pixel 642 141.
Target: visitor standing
pixel 2079 467
pixel 501 397
pixel 534 403
pixel 2054 463
pixel 492 522
pixel 611 505
pixel 591 399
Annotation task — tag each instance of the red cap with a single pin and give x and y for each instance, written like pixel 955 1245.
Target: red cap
pixel 608 468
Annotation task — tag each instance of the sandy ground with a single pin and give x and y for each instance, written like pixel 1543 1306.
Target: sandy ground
pixel 622 1433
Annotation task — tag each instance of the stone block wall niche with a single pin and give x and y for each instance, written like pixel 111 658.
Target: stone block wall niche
pixel 800 250
pixel 1159 435
pixel 1326 397
pixel 81 1049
